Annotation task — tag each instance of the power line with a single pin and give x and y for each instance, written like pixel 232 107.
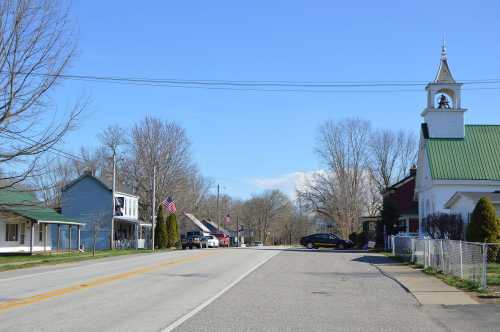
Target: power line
pixel 279 86
pixel 29 140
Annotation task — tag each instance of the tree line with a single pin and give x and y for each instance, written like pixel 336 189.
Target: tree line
pixel 358 163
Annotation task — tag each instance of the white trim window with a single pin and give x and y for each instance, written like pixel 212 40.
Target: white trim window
pixel 11 232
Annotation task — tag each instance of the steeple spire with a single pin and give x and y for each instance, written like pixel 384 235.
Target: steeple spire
pixel 444 72
pixel 443 50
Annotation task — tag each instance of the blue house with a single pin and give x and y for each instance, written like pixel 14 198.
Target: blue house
pixel 90 200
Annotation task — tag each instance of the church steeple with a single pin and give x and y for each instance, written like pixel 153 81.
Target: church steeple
pixel 444 73
pixel 444 114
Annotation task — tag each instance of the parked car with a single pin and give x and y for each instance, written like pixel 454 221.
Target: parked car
pixel 209 241
pixel 325 240
pixel 223 239
pixel 258 243
pixel 191 240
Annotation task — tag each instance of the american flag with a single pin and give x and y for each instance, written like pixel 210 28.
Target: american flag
pixel 169 204
pixel 227 219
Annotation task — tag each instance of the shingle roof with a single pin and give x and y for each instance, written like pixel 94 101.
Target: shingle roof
pixel 475 157
pixel 104 182
pixel 25 204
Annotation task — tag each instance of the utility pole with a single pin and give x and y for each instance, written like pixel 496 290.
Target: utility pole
pixel 153 210
pixel 112 236
pixel 237 230
pixel 217 217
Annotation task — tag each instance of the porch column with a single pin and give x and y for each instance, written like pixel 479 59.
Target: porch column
pixel 136 233
pixel 44 237
pixel 69 238
pixel 78 228
pixel 32 235
pixel 58 237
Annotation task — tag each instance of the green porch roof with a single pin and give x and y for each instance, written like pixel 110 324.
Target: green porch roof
pixel 475 157
pixel 26 205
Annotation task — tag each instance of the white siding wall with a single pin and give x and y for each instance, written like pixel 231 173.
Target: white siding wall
pixel 131 205
pixel 464 206
pixel 17 246
pixel 432 200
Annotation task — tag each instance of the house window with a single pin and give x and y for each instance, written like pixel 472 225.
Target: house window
pixel 40 233
pixel 11 232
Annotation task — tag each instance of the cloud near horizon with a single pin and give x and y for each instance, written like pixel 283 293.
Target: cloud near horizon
pixel 287 183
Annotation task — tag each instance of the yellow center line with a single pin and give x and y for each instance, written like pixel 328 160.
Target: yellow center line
pixel 17 303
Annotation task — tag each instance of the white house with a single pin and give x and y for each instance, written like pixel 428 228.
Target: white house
pixel 25 224
pixel 463 202
pixel 453 157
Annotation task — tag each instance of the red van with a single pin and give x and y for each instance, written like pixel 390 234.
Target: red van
pixel 223 239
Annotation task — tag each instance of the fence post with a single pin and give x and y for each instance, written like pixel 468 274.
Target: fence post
pixel 429 255
pixel 484 279
pixel 461 261
pixel 442 257
pixel 412 250
pixel 426 248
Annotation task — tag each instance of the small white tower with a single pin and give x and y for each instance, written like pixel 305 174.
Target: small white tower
pixel 444 115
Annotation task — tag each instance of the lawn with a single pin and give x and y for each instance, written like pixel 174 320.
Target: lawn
pixel 494 274
pixel 20 261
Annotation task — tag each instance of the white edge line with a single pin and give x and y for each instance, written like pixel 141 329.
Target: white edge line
pixel 203 305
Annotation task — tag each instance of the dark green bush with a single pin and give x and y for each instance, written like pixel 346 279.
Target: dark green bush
pixel 484 226
pixel 161 236
pixel 172 231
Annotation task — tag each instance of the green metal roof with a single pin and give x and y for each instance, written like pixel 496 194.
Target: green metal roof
pixel 25 204
pixel 475 157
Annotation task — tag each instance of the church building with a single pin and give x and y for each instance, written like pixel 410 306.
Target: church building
pixel 454 158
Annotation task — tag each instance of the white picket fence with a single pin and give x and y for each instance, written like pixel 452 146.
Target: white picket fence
pixel 467 260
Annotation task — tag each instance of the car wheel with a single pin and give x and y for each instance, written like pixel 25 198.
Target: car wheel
pixel 310 246
pixel 341 246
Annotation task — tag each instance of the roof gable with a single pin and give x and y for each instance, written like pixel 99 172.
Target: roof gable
pixel 475 157
pixel 85 176
pixel 104 183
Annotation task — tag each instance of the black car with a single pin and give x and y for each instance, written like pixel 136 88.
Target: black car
pixel 325 240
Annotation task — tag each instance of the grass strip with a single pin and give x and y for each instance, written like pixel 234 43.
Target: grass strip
pixel 19 262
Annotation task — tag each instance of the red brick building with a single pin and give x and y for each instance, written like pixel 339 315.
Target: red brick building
pixel 403 195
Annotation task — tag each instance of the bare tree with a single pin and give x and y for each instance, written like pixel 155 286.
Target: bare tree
pixel 57 173
pixel 342 147
pixel 164 146
pixel 36 46
pixel 391 156
pixel 266 214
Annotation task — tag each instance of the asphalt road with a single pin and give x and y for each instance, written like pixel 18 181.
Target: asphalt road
pixel 224 290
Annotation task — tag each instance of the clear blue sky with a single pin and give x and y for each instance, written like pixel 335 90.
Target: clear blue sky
pixel 240 137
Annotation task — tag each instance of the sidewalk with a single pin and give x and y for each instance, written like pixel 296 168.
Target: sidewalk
pixel 425 288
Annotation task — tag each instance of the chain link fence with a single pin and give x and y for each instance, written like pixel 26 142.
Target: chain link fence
pixel 466 260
